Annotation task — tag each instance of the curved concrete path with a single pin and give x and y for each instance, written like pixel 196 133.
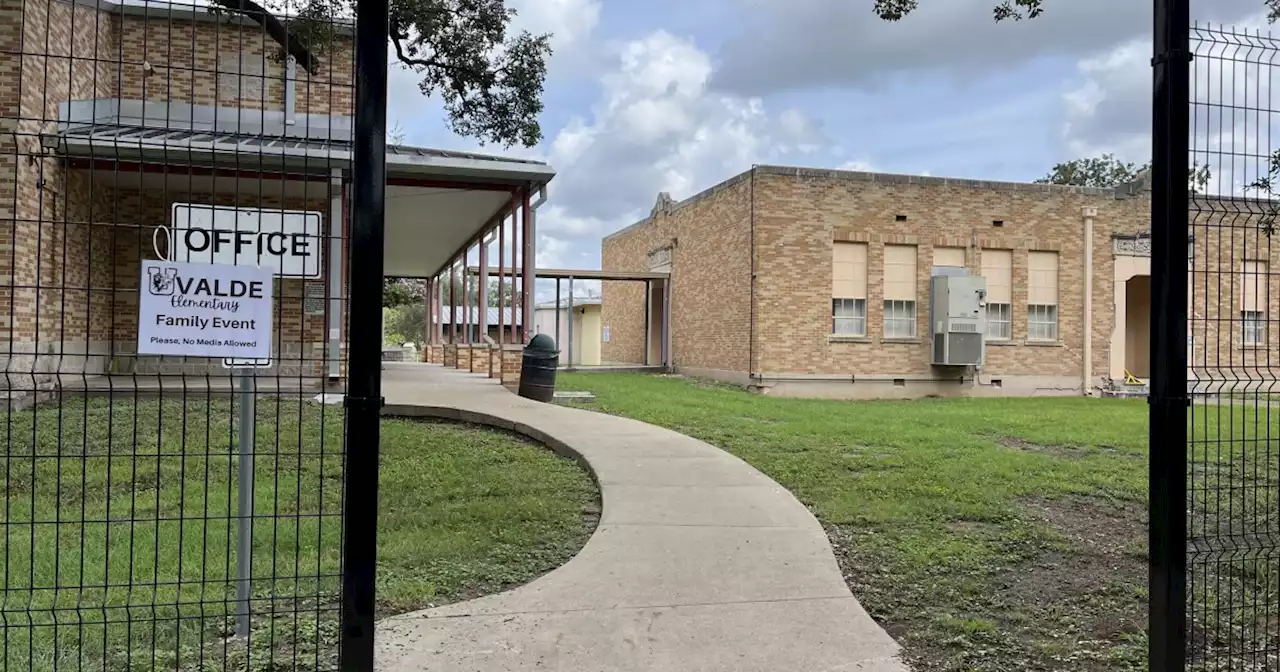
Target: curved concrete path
pixel 700 562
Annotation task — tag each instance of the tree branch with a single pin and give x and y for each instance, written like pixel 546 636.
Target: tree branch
pixel 429 63
pixel 277 30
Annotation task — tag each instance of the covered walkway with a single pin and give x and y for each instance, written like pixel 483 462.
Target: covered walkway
pixel 700 562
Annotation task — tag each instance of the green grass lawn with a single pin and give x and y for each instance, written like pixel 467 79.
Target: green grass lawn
pixel 985 534
pixel 118 550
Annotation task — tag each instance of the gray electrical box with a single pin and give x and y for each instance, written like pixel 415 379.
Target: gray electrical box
pixel 958 313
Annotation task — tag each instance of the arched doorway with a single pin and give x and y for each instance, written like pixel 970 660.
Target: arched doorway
pixel 1137 327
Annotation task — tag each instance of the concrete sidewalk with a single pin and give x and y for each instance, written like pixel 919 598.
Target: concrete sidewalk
pixel 700 562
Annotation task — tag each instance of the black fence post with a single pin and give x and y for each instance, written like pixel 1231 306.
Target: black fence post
pixel 1168 398
pixel 364 387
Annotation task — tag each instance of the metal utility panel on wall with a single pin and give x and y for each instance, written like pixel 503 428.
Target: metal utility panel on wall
pixel 958 314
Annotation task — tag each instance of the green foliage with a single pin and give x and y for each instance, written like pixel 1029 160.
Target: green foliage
pixel 490 83
pixel 406 324
pixel 1267 185
pixel 1015 10
pixel 400 292
pixel 1103 171
pixel 463 511
pixel 1107 171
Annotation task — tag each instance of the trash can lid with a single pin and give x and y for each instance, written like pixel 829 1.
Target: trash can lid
pixel 542 342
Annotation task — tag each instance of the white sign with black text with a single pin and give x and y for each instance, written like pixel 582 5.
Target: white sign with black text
pixel 289 242
pixel 246 363
pixel 204 310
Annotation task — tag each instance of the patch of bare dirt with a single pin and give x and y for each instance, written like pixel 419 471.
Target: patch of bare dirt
pixel 1068 592
pixel 1068 452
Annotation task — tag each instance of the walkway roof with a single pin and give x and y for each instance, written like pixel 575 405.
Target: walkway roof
pixel 436 199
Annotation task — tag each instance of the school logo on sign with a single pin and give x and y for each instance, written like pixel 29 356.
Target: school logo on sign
pixel 163 281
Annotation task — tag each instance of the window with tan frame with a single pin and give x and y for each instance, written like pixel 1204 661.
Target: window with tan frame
pixel 849 289
pixel 951 257
pixel 1042 296
pixel 900 291
pixel 997 268
pixel 1253 303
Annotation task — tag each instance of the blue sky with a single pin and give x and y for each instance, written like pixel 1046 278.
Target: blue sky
pixel 646 96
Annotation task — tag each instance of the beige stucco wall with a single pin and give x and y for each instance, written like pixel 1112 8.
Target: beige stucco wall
pixel 587 340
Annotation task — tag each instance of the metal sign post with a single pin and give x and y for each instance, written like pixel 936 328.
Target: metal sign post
pixel 244 534
pixel 244 501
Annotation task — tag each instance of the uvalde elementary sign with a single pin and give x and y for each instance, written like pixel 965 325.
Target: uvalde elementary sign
pixel 205 310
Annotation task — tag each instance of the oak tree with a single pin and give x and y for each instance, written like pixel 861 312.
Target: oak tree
pixel 490 81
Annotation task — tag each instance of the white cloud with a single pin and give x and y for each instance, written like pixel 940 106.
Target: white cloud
pixel 571 24
pixel 803 44
pixel 1109 108
pixel 657 127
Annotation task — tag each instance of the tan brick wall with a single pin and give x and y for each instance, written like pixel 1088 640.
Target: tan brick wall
pixel 512 356
pixel 54 314
pixel 1226 235
pixel 798 214
pixel 710 241
pixel 70 242
pixel 480 359
pixel 797 218
pixel 225 63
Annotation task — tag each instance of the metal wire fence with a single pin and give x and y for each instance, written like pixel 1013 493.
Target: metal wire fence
pixel 173 248
pixel 1232 468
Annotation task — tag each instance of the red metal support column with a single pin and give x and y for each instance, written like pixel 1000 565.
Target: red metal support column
pixel 437 295
pixel 515 243
pixel 453 303
pixel 430 306
pixel 528 278
pixel 466 297
pixel 502 244
pixel 482 293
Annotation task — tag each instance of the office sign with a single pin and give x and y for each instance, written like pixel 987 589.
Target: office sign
pixel 204 310
pixel 289 242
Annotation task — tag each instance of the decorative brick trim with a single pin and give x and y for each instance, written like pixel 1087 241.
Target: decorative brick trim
pixel 850 236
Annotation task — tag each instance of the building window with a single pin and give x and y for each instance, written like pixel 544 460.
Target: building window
pixel 999 322
pixel 899 291
pixel 1255 327
pixel 849 289
pixel 849 317
pixel 948 257
pixel 1042 296
pixel 997 268
pixel 1042 323
pixel 899 319
pixel 1253 302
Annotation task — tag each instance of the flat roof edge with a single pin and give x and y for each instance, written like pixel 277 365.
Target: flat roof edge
pixel 705 193
pixel 928 180
pixel 187 10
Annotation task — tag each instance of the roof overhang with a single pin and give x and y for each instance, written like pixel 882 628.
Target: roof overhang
pixel 437 200
pixel 578 274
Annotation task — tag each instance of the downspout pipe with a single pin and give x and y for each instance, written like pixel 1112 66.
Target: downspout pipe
pixel 1086 373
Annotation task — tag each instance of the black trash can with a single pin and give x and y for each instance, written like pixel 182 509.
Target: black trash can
pixel 538 369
